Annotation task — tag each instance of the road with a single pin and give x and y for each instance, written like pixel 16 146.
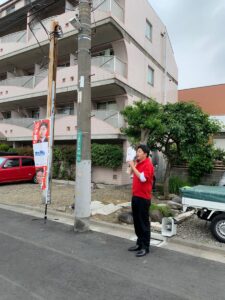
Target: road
pixel 50 261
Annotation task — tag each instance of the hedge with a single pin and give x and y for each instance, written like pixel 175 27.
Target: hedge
pixel 103 155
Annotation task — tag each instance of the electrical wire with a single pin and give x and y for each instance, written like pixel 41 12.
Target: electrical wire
pixel 23 17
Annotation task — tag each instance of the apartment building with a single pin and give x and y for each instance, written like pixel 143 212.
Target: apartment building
pixel 132 59
pixel 212 101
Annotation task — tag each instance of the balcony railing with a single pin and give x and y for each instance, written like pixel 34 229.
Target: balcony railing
pixel 17 37
pixel 107 6
pixel 24 81
pixel 23 122
pixel 110 5
pixel 110 63
pixel 111 117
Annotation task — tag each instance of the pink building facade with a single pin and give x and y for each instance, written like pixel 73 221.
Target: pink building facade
pixel 132 59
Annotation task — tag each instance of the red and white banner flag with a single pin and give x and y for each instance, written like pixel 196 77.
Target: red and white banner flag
pixel 41 150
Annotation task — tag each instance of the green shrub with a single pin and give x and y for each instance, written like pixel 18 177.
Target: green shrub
pixel 64 157
pixel 4 147
pixel 164 209
pixel 175 183
pixel 106 155
pixel 22 150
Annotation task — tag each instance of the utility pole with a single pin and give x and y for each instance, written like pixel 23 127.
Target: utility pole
pixel 52 67
pixel 83 155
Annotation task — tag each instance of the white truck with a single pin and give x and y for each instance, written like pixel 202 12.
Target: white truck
pixel 209 203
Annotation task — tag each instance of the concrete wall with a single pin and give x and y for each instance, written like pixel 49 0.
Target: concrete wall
pixel 110 176
pixel 210 179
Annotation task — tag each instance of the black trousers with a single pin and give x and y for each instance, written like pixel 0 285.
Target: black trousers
pixel 142 225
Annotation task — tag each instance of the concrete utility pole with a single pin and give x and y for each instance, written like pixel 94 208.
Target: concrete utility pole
pixel 52 67
pixel 83 156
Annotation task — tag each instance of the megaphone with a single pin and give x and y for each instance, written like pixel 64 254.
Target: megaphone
pixel 169 227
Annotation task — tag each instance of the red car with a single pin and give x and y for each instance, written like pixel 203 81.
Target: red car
pixel 17 168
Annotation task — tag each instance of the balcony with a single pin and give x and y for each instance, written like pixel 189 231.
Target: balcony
pixel 25 81
pixel 110 6
pixel 112 118
pixel 107 6
pixel 17 37
pixel 22 122
pixel 111 64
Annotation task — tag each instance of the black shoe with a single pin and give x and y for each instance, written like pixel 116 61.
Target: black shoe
pixel 134 248
pixel 142 252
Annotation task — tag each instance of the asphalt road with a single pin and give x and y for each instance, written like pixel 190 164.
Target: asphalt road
pixel 50 261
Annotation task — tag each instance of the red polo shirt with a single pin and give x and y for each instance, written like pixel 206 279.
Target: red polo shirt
pixel 143 189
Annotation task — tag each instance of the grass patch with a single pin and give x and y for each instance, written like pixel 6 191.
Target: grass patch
pixel 164 209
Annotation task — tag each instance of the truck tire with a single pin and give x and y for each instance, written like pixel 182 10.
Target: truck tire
pixel 217 227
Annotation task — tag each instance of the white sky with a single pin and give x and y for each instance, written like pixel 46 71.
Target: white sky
pixel 196 30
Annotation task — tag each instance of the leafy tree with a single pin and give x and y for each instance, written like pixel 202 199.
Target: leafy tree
pixel 181 131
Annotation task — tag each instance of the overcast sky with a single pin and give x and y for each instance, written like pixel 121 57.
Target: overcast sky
pixel 196 30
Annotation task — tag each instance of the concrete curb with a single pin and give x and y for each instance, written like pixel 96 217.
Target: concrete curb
pixel 196 245
pixel 126 232
pixel 122 231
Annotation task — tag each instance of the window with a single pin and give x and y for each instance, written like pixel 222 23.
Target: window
pixel 110 105
pixel 6 114
pixel 35 114
pixel 66 110
pixel 150 76
pixel 148 30
pixel 12 163
pixel 27 162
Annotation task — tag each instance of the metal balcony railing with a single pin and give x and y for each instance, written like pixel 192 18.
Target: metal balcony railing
pixel 110 5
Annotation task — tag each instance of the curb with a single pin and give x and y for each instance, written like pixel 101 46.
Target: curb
pixel 126 231
pixel 196 245
pixel 122 231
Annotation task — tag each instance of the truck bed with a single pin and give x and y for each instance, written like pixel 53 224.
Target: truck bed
pixel 201 196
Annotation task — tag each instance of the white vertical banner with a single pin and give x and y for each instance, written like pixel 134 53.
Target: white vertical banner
pixel 41 133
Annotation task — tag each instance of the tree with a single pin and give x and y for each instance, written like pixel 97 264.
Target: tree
pixel 181 131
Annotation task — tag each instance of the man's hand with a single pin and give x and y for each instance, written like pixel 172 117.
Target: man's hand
pixel 131 164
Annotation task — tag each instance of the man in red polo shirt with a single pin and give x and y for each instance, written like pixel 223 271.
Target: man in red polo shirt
pixel 143 172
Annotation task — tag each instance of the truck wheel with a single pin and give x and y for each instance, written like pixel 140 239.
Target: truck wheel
pixel 217 227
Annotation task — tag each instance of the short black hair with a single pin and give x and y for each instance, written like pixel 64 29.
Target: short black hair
pixel 144 148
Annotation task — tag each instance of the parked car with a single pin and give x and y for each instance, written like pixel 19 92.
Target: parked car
pixel 17 168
